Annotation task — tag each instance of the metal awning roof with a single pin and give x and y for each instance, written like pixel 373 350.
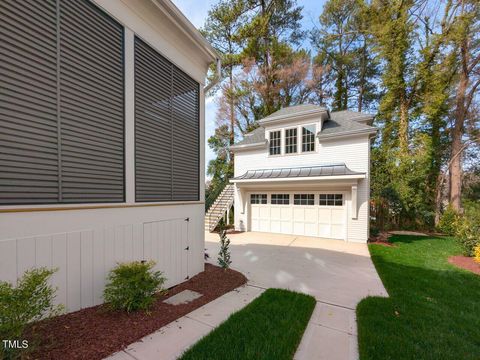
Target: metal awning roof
pixel 340 170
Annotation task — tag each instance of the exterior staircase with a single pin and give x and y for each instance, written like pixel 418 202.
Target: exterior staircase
pixel 222 205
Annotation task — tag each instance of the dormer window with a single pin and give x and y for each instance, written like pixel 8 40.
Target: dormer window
pixel 308 138
pixel 290 141
pixel 275 142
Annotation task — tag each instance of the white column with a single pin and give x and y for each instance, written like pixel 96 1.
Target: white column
pixel 228 215
pixel 354 202
pixel 129 117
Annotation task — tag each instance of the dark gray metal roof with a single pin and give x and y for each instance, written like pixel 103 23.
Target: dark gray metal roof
pixel 341 122
pixel 256 136
pixel 311 171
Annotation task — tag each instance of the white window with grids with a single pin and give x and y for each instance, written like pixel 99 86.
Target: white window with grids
pixel 280 199
pixel 258 198
pixel 290 141
pixel 331 200
pixel 275 142
pixel 308 138
pixel 303 199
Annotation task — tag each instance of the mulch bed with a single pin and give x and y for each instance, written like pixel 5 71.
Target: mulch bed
pixel 96 332
pixel 381 239
pixel 466 263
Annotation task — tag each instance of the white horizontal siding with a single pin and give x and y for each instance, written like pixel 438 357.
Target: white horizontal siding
pixel 353 151
pixel 85 248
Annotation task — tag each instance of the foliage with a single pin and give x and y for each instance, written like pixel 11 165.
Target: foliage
pixel 476 254
pixel 448 221
pixel 224 253
pixel 270 327
pixel 467 228
pixel 428 297
pixel 132 286
pixel 31 300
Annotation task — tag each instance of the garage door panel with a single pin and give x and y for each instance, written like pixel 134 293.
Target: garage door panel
pixel 308 220
pixel 286 214
pixel 324 216
pixel 298 214
pixel 324 230
pixel 286 227
pixel 264 212
pixel 338 216
pixel 310 229
pixel 276 226
pixel 337 231
pixel 275 213
pixel 298 228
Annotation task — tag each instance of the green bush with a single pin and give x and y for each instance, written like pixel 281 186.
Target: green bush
pixel 132 286
pixel 448 222
pixel 467 229
pixel 30 301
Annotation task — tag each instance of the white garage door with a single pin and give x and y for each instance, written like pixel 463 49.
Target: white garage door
pixel 309 214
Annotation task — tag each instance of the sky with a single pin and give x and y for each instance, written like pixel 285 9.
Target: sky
pixel 196 11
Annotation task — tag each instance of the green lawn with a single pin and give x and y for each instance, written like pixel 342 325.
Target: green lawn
pixel 434 308
pixel 270 327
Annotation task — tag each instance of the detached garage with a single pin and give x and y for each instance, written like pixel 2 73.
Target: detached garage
pixel 309 201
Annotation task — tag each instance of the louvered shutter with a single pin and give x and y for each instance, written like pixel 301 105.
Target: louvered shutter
pixel 166 129
pixel 61 103
pixel 153 124
pixel 186 150
pixel 28 102
pixel 91 104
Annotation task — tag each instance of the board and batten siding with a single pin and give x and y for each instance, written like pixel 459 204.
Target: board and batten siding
pixel 353 151
pixel 89 243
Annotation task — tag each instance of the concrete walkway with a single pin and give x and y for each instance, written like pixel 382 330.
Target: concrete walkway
pixel 336 273
pixel 172 340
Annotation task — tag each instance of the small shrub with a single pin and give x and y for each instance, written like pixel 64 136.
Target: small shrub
pixel 448 222
pixel 477 253
pixel 132 286
pixel 31 300
pixel 224 254
pixel 374 231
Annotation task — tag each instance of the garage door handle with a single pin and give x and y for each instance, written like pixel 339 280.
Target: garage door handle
pixel 187 248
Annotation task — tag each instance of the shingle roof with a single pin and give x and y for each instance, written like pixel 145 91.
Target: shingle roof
pixel 340 122
pixel 256 136
pixel 293 110
pixel 322 170
pixel 346 121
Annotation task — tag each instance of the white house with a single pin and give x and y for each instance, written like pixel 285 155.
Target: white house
pixel 101 141
pixel 305 171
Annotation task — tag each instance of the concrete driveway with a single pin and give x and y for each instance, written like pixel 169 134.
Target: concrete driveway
pixel 336 273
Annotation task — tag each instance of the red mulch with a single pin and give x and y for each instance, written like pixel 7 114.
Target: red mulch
pixel 381 239
pixel 96 332
pixel 465 262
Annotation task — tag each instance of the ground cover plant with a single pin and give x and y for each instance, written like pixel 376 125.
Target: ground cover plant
pixel 270 327
pixel 432 311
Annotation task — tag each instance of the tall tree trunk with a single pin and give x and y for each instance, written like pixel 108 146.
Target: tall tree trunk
pixel 457 132
pixel 403 126
pixel 363 62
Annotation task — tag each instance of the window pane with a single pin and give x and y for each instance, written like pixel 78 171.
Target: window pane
pixel 331 200
pixel 275 146
pixel 303 199
pixel 290 141
pixel 308 138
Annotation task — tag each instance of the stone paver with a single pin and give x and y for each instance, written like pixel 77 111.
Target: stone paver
pixel 183 297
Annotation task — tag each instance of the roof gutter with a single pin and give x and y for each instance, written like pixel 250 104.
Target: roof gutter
pixel 216 79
